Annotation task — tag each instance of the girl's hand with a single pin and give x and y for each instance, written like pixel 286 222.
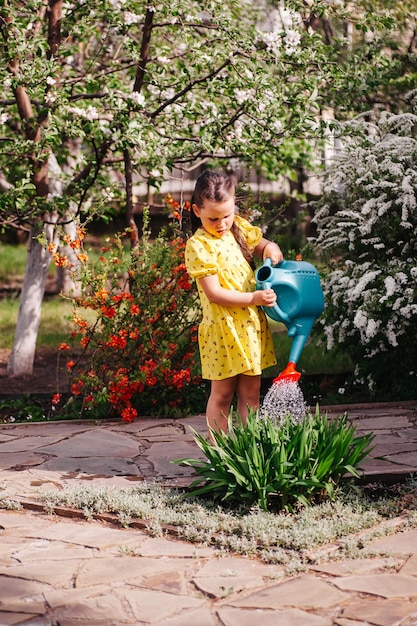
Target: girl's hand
pixel 264 297
pixel 273 251
pixel 269 249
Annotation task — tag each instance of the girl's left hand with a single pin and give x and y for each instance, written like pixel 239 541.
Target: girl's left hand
pixel 273 251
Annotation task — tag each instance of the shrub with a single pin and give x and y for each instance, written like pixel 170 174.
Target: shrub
pixel 136 322
pixel 277 467
pixel 367 224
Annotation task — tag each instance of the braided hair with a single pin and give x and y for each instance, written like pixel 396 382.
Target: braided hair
pixel 217 186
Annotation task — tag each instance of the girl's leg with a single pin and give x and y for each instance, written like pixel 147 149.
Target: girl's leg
pixel 219 403
pixel 248 390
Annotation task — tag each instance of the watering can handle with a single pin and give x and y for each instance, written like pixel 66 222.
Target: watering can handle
pixel 278 311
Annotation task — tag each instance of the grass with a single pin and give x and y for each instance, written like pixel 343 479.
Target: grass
pixel 54 325
pixel 358 516
pixel 12 263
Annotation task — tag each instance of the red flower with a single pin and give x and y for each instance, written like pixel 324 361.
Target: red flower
pixel 76 388
pixel 56 398
pixel 108 311
pixel 129 414
pixel 116 341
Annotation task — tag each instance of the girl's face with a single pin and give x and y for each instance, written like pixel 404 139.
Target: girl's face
pixel 216 217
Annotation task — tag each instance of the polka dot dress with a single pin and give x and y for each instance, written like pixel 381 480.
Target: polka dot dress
pixel 232 339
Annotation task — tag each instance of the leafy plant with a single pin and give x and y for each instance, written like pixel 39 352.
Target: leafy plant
pixel 22 408
pixel 277 467
pixel 139 349
pixel 367 223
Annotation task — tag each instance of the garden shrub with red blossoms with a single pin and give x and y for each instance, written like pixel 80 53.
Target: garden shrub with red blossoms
pixel 137 323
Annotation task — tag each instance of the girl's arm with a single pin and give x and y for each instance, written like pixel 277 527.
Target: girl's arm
pixel 266 248
pixel 225 297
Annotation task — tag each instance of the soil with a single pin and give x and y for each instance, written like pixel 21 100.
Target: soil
pixel 45 379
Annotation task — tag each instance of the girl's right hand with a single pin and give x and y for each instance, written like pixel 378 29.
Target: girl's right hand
pixel 264 297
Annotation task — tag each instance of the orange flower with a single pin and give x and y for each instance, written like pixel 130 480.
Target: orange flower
pixel 63 346
pixel 70 365
pixel 81 233
pixel 56 398
pixel 102 294
pixel 83 257
pixel 60 260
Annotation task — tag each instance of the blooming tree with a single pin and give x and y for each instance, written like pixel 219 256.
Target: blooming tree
pixel 99 92
pixel 367 223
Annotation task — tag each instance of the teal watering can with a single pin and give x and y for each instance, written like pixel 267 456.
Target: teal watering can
pixel 300 301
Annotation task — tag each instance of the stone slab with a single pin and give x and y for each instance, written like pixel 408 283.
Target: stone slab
pixel 306 592
pixel 280 617
pixel 385 585
pixel 96 442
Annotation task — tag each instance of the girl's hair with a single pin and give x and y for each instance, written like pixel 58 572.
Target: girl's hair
pixel 217 186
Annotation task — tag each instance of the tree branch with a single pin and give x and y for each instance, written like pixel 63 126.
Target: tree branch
pixel 54 26
pixel 188 88
pixel 144 50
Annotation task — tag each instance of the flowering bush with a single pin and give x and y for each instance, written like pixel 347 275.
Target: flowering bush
pixel 367 222
pixel 136 322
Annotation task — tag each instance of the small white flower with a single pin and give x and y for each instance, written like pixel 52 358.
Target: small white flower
pixel 137 98
pixel 131 18
pixel 50 98
pixel 50 80
pixel 3 118
pixel 243 95
pixel 292 39
pixel 167 94
pixel 7 83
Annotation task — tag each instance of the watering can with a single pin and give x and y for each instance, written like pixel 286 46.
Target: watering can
pixel 300 301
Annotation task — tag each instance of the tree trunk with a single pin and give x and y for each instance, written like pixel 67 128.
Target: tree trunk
pixel 24 345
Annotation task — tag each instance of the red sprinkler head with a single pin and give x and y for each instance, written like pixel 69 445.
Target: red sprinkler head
pixel 288 375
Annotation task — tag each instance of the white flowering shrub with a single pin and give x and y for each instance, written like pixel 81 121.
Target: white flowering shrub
pixel 367 224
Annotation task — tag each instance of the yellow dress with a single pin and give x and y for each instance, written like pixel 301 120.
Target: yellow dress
pixel 232 339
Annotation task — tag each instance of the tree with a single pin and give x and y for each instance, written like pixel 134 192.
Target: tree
pixel 367 224
pixel 97 93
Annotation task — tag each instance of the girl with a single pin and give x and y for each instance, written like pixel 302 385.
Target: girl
pixel 234 337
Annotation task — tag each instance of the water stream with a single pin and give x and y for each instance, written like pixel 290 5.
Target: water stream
pixel 284 398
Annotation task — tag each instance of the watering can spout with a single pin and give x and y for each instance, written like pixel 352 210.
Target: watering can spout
pixel 300 300
pixel 289 374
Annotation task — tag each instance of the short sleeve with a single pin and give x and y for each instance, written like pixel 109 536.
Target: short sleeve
pixel 200 257
pixel 252 234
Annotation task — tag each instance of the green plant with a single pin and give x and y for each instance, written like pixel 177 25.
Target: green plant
pixel 366 223
pixel 139 350
pixel 23 408
pixel 277 467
